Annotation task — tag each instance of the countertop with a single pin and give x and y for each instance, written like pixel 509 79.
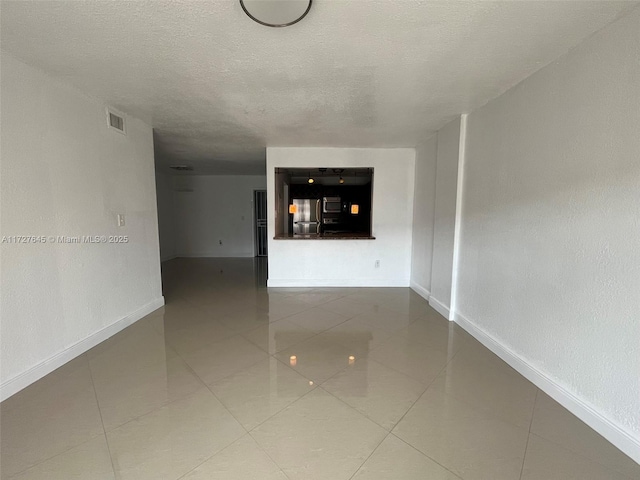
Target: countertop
pixel 328 236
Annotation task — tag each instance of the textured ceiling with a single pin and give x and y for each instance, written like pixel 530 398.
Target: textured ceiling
pixel 218 88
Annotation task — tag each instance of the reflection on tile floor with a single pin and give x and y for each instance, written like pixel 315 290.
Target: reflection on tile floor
pixel 233 381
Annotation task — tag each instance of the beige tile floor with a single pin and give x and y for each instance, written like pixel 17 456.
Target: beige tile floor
pixel 233 381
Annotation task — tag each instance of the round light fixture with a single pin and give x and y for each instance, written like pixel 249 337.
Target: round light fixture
pixel 276 13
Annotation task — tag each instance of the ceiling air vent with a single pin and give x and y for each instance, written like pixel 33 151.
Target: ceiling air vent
pixel 181 168
pixel 115 121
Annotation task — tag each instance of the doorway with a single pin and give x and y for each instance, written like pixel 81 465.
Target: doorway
pixel 260 222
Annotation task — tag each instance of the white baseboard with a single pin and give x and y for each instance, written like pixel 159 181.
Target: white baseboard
pixel 23 380
pixel 420 290
pixel 217 255
pixel 439 307
pixel 355 282
pixel 623 439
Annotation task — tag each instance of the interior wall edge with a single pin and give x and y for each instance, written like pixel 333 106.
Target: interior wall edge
pixel 45 367
pixel 215 255
pixel 457 229
pixel 440 307
pixel 620 437
pixel 341 282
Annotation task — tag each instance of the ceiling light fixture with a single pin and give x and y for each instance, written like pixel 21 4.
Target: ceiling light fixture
pixel 310 180
pixel 276 13
pixel 341 180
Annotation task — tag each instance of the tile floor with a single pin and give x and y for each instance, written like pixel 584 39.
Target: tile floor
pixel 232 381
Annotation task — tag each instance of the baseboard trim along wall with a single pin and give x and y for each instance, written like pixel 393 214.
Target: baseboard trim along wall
pixel 617 435
pixel 356 282
pixel 439 307
pixel 35 373
pixel 420 290
pixel 216 255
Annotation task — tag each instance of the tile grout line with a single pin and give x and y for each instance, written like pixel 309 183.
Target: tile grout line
pixel 280 411
pixel 104 430
pixel 70 448
pixel 411 407
pixel 369 456
pixel 526 446
pixel 427 456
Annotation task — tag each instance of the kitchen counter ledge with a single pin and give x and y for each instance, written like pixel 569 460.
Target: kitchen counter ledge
pixel 327 236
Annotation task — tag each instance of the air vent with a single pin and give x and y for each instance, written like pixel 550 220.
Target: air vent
pixel 181 168
pixel 115 121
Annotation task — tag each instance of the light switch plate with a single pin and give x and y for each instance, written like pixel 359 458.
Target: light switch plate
pixel 120 220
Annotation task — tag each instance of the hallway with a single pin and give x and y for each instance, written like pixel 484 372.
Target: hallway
pixel 233 381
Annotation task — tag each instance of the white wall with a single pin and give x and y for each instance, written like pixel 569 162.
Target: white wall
pixel 445 217
pixel 349 262
pixel 166 215
pixel 65 173
pixel 550 249
pixel 423 215
pixel 216 209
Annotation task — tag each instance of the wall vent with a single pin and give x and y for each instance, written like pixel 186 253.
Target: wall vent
pixel 115 120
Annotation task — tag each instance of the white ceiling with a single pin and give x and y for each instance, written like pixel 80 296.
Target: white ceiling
pixel 218 88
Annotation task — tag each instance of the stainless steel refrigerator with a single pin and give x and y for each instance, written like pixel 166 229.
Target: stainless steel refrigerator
pixel 306 216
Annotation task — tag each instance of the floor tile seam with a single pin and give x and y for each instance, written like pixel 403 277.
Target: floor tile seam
pixel 369 456
pixel 397 333
pixel 138 417
pixel 208 345
pixel 181 397
pixel 471 405
pixel 526 446
pixel 315 385
pixel 191 369
pixel 417 399
pixel 502 368
pixel 226 447
pixel 210 457
pixel 231 414
pixel 104 430
pixel 149 365
pixel 582 455
pixel 427 456
pixel 268 455
pixel 250 432
pixel 426 384
pixel 334 326
pixel 314 334
pixel 324 302
pixel 386 429
pixel 369 359
pixel 299 373
pixel 164 404
pixel 93 437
